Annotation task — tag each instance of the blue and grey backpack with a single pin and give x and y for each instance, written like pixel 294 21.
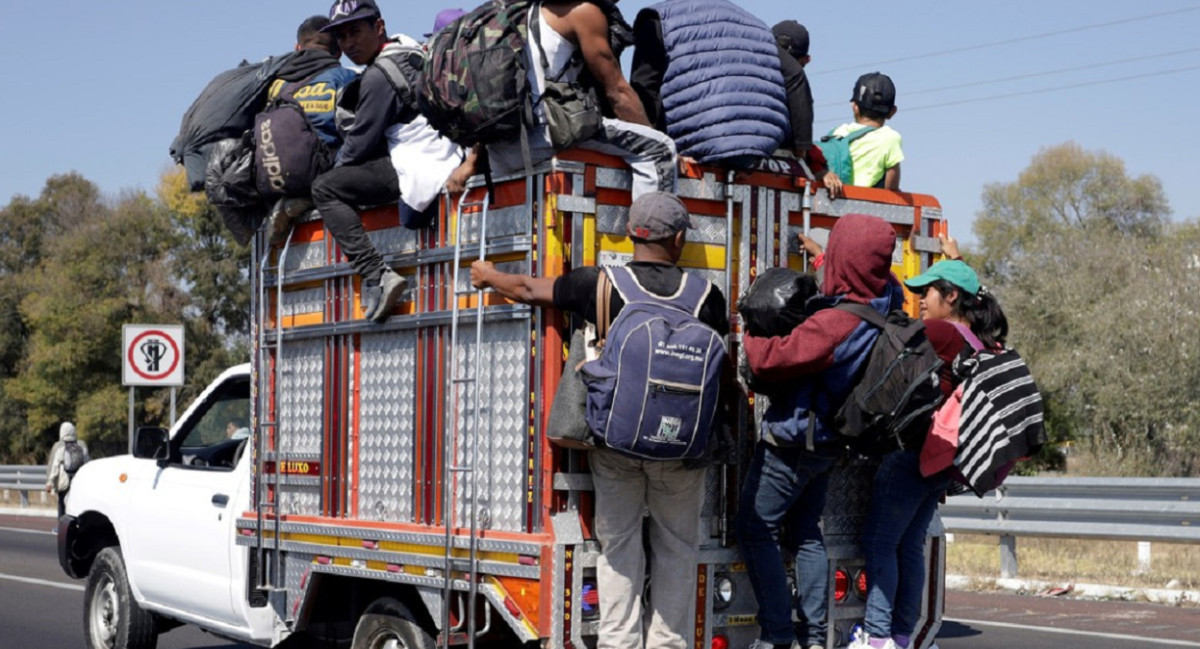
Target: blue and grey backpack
pixel 653 393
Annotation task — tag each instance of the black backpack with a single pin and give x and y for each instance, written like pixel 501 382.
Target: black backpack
pixel 288 152
pixel 73 457
pixel 225 109
pixel 891 403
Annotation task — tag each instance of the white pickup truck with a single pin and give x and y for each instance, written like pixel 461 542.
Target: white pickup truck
pixel 152 532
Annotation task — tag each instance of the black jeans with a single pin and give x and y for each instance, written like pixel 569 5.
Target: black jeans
pixel 339 192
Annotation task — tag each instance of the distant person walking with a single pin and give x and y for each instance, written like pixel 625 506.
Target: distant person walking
pixel 66 456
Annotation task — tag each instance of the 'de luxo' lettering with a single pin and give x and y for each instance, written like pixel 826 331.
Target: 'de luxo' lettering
pixel 270 157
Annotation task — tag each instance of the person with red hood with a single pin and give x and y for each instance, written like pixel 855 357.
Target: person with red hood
pixel 789 474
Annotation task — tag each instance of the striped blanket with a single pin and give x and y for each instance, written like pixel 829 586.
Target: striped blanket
pixel 1001 418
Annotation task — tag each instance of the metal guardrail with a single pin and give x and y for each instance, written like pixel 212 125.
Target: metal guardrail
pixel 1131 509
pixel 23 478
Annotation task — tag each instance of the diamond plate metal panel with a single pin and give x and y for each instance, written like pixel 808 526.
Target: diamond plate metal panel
pixel 898 214
pixel 302 364
pixel 306 255
pixel 296 569
pixel 308 300
pixel 614 178
pixel 503 388
pixel 299 500
pixel 395 240
pixel 707 188
pixel 611 219
pixel 462 279
pixel 386 436
pixel 502 222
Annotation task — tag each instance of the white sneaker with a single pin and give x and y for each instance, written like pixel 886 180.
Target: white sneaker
pixel 863 641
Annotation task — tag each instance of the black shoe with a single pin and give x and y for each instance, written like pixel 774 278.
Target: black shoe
pixel 380 297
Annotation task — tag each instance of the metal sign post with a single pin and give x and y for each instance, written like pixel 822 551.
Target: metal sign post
pixel 151 355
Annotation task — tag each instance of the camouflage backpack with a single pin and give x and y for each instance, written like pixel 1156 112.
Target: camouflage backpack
pixel 474 89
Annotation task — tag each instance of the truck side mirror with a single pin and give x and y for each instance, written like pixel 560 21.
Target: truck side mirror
pixel 151 443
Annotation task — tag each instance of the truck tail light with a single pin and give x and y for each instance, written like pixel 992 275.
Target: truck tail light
pixel 841 585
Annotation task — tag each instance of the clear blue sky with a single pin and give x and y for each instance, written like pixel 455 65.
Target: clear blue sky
pixel 99 87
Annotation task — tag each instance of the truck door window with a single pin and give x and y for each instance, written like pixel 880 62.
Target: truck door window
pixel 214 433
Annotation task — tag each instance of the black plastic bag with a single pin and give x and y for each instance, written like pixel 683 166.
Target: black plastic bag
pixel 229 186
pixel 774 305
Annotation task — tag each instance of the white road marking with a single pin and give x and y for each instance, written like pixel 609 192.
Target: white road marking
pixel 42 582
pixel 17 529
pixel 1096 634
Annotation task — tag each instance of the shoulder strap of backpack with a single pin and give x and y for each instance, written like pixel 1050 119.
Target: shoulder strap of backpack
pixel 535 32
pixel 603 306
pixel 395 75
pixel 689 297
pixel 864 312
pixel 850 137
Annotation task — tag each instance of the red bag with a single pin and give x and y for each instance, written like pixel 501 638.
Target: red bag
pixel 941 444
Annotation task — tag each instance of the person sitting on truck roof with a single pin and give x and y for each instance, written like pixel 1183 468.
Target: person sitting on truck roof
pixel 389 153
pixel 314 77
pixel 875 155
pixel 573 38
pixel 671 491
pixel 708 74
pixel 792 40
pixel 789 474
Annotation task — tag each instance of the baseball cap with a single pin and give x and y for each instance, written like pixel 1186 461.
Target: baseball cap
pixel 792 36
pixel 657 215
pixel 874 91
pixel 348 11
pixel 444 18
pixel 954 271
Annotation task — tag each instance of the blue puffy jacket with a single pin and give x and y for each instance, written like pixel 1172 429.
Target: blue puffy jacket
pixel 722 92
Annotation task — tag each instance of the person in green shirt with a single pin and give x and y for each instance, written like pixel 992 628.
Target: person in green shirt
pixel 875 156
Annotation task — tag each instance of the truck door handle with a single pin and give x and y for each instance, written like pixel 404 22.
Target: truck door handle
pixel 220 500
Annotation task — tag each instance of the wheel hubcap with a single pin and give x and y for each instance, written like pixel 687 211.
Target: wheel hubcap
pixel 104 617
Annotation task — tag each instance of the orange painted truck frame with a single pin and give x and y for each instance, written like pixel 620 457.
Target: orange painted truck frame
pixel 406 461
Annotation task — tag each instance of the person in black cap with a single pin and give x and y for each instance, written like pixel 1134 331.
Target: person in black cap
pixel 876 155
pixel 672 491
pixel 792 40
pixel 313 77
pixel 389 154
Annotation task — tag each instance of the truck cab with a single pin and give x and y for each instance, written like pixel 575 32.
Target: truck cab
pixel 152 531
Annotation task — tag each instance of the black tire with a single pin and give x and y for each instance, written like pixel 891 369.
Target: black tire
pixel 111 617
pixel 388 624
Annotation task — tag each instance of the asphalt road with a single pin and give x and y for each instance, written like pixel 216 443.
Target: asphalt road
pixel 40 607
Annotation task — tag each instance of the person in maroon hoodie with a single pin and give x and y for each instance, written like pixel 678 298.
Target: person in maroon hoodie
pixel 789 474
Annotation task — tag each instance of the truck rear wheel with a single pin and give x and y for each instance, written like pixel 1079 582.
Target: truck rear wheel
pixel 388 624
pixel 111 617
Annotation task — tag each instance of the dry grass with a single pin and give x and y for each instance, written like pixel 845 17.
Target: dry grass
pixel 1113 563
pixel 39 499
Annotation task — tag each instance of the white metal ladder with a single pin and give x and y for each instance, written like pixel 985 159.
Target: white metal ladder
pixel 270 580
pixel 460 385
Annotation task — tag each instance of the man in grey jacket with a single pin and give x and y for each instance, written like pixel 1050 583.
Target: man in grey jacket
pixel 66 456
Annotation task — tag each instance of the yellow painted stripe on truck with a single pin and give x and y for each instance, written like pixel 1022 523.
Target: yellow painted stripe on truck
pixel 695 255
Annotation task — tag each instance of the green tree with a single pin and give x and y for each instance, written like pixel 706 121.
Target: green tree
pixel 1100 291
pixel 77 301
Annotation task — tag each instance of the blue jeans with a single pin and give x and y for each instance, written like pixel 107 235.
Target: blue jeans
pixel 786 486
pixel 902 505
